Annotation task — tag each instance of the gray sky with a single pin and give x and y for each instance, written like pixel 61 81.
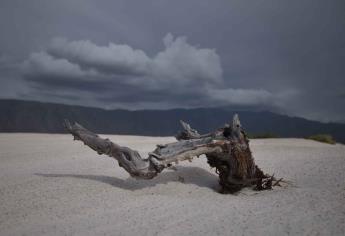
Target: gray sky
pixel 284 56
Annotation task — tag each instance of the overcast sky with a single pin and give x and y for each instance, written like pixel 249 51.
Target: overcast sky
pixel 284 56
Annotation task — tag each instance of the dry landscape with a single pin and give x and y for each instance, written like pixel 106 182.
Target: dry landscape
pixel 51 185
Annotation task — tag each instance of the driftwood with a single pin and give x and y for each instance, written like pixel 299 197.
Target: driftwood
pixel 226 149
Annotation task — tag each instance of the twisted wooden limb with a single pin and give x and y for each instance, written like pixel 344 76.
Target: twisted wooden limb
pixel 133 163
pixel 129 159
pixel 226 149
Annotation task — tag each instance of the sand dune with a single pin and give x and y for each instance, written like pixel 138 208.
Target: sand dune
pixel 50 185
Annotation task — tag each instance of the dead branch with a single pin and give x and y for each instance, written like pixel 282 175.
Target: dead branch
pixel 226 149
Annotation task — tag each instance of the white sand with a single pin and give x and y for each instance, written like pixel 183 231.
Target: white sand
pixel 51 185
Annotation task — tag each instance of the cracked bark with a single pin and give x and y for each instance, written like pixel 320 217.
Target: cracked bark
pixel 226 149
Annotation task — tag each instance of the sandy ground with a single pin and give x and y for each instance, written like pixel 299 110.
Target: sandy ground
pixel 51 185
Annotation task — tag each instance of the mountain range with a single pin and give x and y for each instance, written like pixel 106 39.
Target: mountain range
pixel 30 116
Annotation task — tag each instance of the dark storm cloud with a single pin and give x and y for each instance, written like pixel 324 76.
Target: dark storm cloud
pixel 284 55
pixel 180 75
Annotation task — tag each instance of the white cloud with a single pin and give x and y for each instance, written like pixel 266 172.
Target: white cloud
pixel 114 58
pixel 44 65
pixel 184 64
pixel 179 64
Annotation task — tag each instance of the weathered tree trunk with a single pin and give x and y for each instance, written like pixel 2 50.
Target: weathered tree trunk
pixel 226 149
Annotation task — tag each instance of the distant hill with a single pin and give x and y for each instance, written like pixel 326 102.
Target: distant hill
pixel 28 116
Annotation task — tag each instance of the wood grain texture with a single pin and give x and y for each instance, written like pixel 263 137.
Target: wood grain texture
pixel 226 149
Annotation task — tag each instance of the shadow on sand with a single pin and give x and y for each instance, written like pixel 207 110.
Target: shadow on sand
pixel 186 175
